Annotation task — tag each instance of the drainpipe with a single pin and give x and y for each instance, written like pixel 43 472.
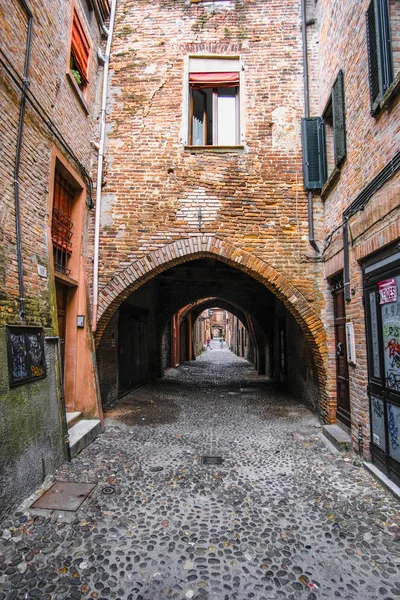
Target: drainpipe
pixel 25 84
pixel 100 167
pixel 346 267
pixel 311 238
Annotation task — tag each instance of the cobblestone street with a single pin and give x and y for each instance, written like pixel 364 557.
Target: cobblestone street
pixel 282 516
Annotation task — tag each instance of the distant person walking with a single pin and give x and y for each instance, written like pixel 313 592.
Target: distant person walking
pixel 221 343
pixel 208 344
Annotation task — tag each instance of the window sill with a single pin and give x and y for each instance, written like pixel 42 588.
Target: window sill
pixel 78 92
pixel 391 93
pixel 330 182
pixel 214 149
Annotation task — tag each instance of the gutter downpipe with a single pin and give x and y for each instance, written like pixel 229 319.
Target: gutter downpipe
pixel 311 238
pixel 25 84
pixel 346 265
pixel 100 167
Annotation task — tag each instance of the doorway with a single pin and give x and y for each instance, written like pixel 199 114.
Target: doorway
pixel 343 411
pixel 382 300
pixel 62 300
pixel 132 350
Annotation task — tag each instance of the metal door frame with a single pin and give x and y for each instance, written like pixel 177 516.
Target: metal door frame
pixel 383 266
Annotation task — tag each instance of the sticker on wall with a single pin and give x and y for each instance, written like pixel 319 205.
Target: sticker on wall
pixel 350 344
pixel 387 291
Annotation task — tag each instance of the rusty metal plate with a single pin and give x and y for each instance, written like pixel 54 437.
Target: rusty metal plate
pixel 212 460
pixel 64 495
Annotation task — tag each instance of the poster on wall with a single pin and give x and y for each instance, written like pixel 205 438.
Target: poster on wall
pixel 387 291
pixel 25 351
pixel 391 336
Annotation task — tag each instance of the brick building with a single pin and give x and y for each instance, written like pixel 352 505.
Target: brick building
pixel 202 192
pixel 250 164
pixel 356 105
pixel 49 73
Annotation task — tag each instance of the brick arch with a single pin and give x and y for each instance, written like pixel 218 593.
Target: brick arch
pixel 209 246
pixel 205 303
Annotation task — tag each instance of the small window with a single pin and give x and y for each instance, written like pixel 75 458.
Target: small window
pixel 324 139
pixel 79 59
pixel 380 56
pixel 61 224
pixel 88 11
pixel 214 102
pixel 334 121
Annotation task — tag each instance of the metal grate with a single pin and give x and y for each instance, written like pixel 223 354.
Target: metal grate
pixel 212 460
pixel 64 495
pixel 61 225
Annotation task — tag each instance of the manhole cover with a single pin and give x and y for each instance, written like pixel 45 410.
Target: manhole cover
pixel 212 460
pixel 156 469
pixel 64 495
pixel 108 490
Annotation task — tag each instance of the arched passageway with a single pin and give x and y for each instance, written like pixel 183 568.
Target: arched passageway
pixel 139 322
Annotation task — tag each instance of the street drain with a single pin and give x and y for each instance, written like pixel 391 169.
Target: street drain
pixel 156 469
pixel 108 490
pixel 212 460
pixel 64 495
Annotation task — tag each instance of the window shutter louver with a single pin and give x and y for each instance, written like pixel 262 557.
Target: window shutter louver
pixel 373 57
pixel 339 124
pixel 313 143
pixel 380 59
pixel 386 44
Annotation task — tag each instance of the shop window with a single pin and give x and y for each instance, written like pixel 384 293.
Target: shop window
pixel 214 102
pixel 324 139
pixel 79 59
pixel 61 224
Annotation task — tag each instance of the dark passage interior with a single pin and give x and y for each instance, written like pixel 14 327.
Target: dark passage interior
pixel 160 325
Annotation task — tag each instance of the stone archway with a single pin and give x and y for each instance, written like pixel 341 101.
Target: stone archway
pixel 209 246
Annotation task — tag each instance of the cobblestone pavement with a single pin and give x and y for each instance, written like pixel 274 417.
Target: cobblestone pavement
pixel 282 517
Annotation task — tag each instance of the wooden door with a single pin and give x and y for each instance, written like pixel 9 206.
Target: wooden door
pixel 62 298
pixel 342 371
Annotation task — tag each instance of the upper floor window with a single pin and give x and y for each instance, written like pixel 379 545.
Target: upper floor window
pixel 88 11
pixel 61 224
pixel 214 101
pixel 380 51
pixel 324 139
pixel 79 60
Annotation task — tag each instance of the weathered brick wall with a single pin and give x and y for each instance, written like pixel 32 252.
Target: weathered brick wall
pixel 153 187
pixel 371 143
pixel 301 375
pixel 30 434
pixel 107 363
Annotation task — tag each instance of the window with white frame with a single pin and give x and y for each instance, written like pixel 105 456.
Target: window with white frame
pixel 214 101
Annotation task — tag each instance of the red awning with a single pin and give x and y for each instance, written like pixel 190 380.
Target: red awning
pixel 211 80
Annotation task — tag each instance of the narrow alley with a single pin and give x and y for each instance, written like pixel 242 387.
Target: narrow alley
pixel 282 516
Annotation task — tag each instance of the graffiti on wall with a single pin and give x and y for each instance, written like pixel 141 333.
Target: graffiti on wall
pixel 391 340
pixel 26 359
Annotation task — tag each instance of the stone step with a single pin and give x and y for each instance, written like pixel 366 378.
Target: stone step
pixel 338 437
pixel 82 434
pixel 73 418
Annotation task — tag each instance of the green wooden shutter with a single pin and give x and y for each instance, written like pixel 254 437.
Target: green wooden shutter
pixel 373 57
pixel 339 124
pixel 314 159
pixel 385 43
pixel 380 59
